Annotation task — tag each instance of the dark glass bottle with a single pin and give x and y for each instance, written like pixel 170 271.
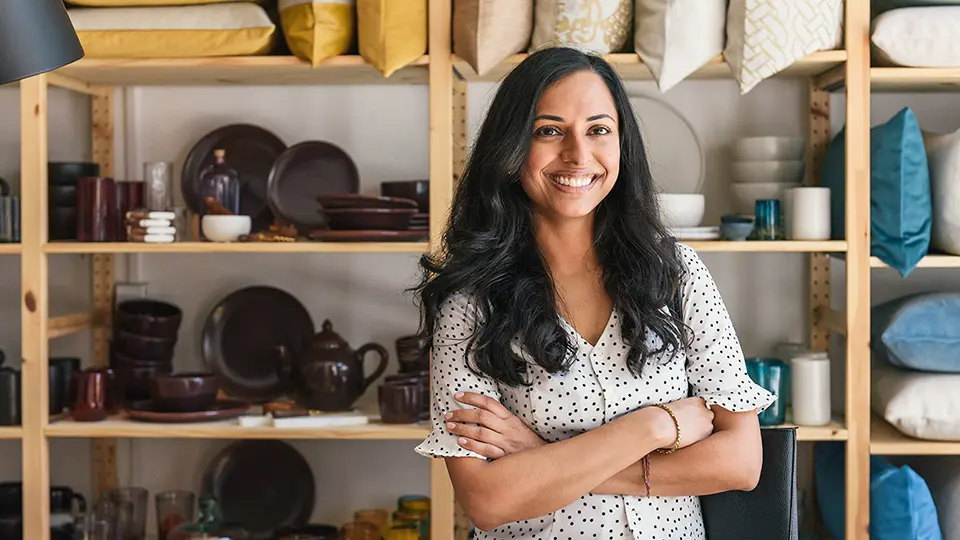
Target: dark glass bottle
pixel 221 182
pixel 209 525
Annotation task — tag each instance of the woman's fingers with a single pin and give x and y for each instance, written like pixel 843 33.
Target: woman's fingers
pixel 484 402
pixel 476 416
pixel 484 449
pixel 478 433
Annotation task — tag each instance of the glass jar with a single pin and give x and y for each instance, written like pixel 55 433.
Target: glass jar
pixel 221 183
pixel 209 525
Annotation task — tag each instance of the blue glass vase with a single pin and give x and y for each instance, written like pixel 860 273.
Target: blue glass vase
pixel 773 375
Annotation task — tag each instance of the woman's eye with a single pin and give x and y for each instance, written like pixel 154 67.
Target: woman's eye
pixel 601 130
pixel 547 131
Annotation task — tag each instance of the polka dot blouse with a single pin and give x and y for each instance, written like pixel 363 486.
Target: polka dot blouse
pixel 597 389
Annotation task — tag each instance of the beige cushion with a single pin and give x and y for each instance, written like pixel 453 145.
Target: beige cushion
pixel 317 29
pixel 233 29
pixel 765 37
pixel 918 37
pixel 130 3
pixel 391 33
pixel 600 26
pixel 674 38
pixel 943 159
pixel 919 404
pixel 485 32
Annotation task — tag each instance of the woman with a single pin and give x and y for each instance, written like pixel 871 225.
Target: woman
pixel 587 381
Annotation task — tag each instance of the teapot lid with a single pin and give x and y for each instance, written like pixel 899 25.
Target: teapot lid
pixel 328 339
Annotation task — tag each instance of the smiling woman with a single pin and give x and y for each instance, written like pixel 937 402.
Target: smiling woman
pixel 586 378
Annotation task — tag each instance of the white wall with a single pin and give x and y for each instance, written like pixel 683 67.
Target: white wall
pixel 385 130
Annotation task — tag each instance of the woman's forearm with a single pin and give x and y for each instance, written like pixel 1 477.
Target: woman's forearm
pixel 542 480
pixel 721 462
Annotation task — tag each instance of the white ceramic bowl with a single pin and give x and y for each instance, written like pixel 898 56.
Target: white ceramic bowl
pixel 218 228
pixel 768 148
pixel 681 209
pixel 767 172
pixel 745 195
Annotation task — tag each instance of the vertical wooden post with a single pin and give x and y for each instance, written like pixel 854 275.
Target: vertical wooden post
pixel 104 451
pixel 441 192
pixel 33 309
pixel 818 137
pixel 459 128
pixel 858 268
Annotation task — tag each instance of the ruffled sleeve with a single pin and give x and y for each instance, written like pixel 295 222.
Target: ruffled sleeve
pixel 449 374
pixel 715 365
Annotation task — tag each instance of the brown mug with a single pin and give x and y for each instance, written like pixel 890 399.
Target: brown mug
pixel 96 397
pixel 96 206
pixel 400 402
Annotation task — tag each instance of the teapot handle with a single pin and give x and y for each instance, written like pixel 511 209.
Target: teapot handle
pixel 384 357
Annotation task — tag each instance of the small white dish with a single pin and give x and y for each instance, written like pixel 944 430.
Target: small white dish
pixel 767 172
pixel 767 148
pixel 681 209
pixel 220 228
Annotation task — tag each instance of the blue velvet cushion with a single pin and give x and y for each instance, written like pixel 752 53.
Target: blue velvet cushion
pixel 918 331
pixel 901 506
pixel 900 210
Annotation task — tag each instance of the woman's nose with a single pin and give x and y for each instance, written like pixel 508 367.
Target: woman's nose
pixel 576 151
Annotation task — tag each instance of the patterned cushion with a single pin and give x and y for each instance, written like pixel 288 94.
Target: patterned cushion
pixel 600 26
pixel 766 36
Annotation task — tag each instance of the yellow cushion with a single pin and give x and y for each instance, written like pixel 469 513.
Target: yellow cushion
pixel 234 29
pixel 391 33
pixel 130 3
pixel 317 29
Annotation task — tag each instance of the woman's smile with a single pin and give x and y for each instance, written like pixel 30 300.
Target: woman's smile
pixel 573 181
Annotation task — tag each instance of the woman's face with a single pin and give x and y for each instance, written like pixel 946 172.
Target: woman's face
pixel 575 152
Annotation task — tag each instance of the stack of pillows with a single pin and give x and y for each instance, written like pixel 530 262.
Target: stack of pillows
pixel 388 34
pixel 758 38
pixel 916 33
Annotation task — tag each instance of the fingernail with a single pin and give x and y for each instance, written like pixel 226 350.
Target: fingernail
pixel 462 441
pixel 451 425
pixel 458 395
pixel 448 416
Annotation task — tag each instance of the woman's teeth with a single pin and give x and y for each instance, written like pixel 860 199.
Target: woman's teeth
pixel 573 181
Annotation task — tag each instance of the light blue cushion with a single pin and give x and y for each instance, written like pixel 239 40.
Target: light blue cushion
pixel 900 210
pixel 918 331
pixel 901 506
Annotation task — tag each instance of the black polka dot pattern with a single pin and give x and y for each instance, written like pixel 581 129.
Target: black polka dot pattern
pixel 597 389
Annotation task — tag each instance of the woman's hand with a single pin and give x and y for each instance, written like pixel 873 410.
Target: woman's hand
pixel 694 417
pixel 497 432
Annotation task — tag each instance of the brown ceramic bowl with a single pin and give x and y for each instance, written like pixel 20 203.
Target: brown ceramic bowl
pixel 144 348
pixel 400 403
pixel 151 318
pixel 184 392
pixel 135 381
pixel 370 219
pixel 418 190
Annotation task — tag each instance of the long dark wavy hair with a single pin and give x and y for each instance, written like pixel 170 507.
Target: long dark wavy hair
pixel 489 251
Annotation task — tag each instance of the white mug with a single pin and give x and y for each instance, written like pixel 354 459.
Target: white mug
pixel 808 213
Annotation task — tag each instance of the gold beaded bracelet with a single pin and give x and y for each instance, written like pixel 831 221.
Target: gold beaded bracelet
pixel 676 443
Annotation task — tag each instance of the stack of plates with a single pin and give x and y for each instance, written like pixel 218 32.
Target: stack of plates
pixel 696 233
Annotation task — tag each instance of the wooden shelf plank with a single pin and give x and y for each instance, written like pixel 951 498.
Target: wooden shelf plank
pixel 630 67
pixel 834 431
pixel 11 432
pixel 119 427
pixel 898 79
pixel 930 261
pixel 887 440
pixel 785 246
pixel 10 249
pixel 236 247
pixel 240 70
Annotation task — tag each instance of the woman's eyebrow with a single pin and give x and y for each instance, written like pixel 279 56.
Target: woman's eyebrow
pixel 560 119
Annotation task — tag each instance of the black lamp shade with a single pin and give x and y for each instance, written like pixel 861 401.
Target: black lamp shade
pixel 36 36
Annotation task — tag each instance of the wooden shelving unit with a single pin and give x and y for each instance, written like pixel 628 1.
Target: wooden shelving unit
pixel 886 440
pixel 447 78
pixel 930 261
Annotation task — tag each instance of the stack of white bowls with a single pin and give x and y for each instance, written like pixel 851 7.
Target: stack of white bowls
pixel 764 168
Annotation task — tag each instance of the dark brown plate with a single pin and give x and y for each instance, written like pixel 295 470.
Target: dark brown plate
pixel 355 200
pixel 368 219
pixel 244 336
pixel 224 409
pixel 251 151
pixel 262 486
pixel 369 236
pixel 304 172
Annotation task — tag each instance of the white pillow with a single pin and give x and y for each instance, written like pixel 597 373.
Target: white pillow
pixel 919 404
pixel 598 26
pixel 943 159
pixel 674 38
pixel 765 37
pixel 918 36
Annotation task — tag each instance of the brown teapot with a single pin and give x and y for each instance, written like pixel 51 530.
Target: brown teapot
pixel 328 374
